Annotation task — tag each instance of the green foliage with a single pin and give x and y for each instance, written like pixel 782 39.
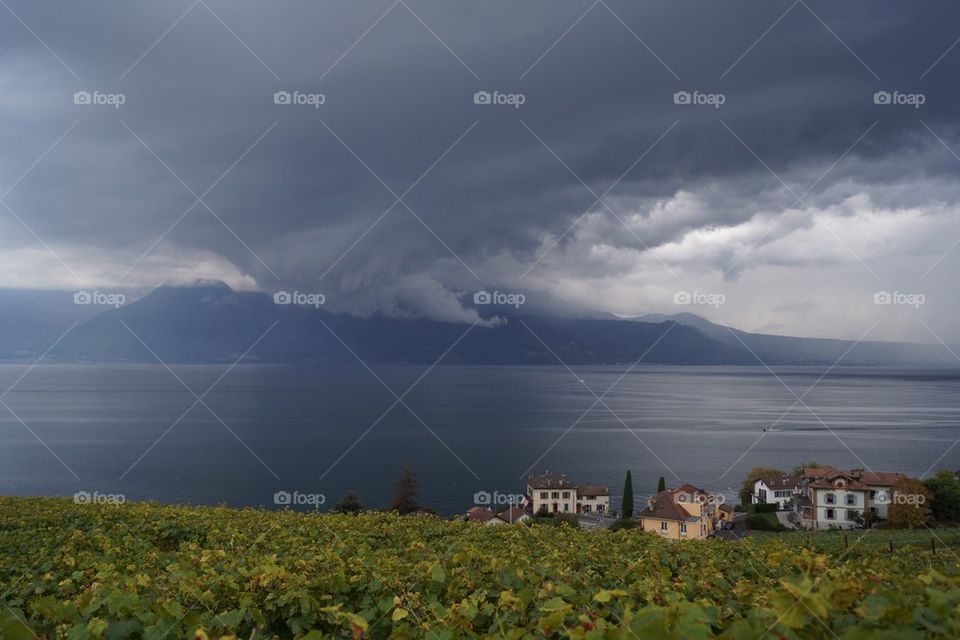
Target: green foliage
pixel 769 507
pixel 911 504
pixel 626 507
pixel 624 524
pixel 661 484
pixel 798 470
pixel 764 522
pixel 349 503
pixel 151 571
pixel 945 487
pixel 405 492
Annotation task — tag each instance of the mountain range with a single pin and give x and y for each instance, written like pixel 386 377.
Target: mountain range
pixel 211 323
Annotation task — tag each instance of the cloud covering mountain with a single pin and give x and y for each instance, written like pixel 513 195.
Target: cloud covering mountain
pixel 798 198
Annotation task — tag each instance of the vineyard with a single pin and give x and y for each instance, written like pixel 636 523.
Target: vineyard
pixel 145 570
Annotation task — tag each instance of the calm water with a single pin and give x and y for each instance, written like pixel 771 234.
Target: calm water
pixel 482 428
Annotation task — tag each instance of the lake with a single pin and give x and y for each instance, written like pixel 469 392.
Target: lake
pixel 114 429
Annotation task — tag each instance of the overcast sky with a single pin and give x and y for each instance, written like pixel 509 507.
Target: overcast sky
pixel 788 192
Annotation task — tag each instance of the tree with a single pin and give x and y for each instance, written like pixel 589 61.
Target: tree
pixel 626 507
pixel 910 506
pixel 798 470
pixel 405 492
pixel 349 503
pixel 661 484
pixel 746 488
pixel 945 486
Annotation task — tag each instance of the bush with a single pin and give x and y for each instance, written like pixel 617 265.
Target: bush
pixel 762 522
pixel 568 519
pixel 769 507
pixel 624 524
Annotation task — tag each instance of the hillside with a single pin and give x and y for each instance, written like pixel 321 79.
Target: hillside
pixel 144 570
pixel 792 350
pixel 212 323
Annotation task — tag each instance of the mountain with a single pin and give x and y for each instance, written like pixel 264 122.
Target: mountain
pixel 787 350
pixel 211 323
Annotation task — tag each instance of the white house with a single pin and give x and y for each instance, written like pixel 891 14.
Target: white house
pixel 556 493
pixel 839 498
pixel 779 489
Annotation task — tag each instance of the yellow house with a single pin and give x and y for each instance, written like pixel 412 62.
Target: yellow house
pixel 684 513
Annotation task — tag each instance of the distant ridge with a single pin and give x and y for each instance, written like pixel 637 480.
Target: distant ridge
pixel 788 350
pixel 209 322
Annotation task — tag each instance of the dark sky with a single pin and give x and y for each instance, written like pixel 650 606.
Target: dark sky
pixel 797 199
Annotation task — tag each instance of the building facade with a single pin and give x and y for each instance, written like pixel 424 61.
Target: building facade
pixel 842 498
pixel 684 513
pixel 556 493
pixel 778 489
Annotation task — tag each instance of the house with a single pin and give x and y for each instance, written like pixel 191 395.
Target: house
pixel 779 489
pixel 514 515
pixel 556 493
pixel 593 498
pixel 684 513
pixel 839 498
pixel 725 513
pixel 483 516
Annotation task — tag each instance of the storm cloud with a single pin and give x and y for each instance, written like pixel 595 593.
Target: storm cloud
pixel 797 157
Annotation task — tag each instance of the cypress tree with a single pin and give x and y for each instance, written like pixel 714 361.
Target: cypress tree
pixel 627 506
pixel 662 485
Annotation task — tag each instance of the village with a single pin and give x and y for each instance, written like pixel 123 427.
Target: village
pixel 812 497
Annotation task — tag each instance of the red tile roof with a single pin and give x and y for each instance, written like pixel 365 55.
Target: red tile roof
pixel 480 514
pixel 593 490
pixel 664 507
pixel 512 514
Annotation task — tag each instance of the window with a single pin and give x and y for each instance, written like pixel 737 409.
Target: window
pixel 851 499
pixel 781 494
pixel 566 494
pixel 599 507
pixel 830 498
pixel 683 527
pixel 663 526
pixel 873 509
pixel 831 515
pixel 556 494
pixel 566 506
pixel 544 495
pixel 762 494
pixel 873 495
pixel 852 515
pixel 586 508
